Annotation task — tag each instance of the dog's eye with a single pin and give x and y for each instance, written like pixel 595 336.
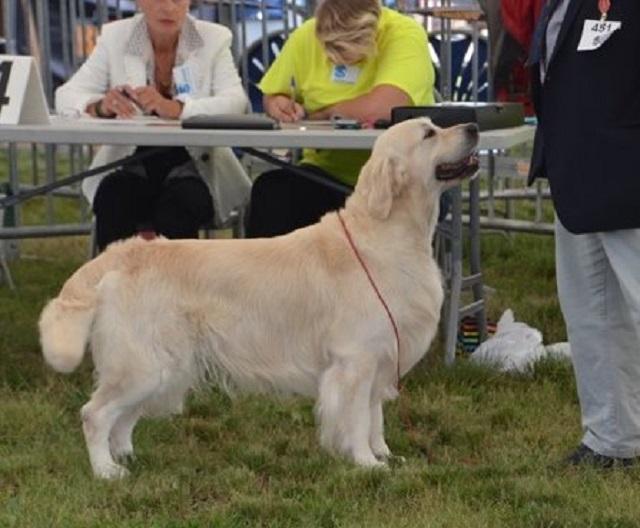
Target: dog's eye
pixel 429 133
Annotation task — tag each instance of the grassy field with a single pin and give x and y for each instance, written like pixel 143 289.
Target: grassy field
pixel 481 448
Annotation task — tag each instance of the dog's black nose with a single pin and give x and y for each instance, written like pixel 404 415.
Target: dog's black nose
pixel 472 130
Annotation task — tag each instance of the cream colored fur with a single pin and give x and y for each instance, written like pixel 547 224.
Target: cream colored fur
pixel 293 314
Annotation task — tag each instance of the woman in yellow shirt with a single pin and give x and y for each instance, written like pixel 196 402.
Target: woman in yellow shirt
pixel 355 60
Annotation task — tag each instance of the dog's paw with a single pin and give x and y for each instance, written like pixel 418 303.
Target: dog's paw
pixel 121 448
pixel 369 461
pixel 123 454
pixel 124 457
pixel 381 451
pixel 111 472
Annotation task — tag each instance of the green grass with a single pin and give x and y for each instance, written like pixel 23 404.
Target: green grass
pixel 481 447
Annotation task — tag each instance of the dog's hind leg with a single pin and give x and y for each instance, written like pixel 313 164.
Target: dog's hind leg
pixel 108 404
pixel 383 390
pixel 120 439
pixel 344 410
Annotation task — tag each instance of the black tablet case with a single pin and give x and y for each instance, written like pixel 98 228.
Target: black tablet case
pixel 231 122
pixel 488 116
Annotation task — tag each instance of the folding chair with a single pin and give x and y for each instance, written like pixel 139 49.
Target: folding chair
pixel 466 50
pixel 449 242
pixel 464 53
pixel 253 65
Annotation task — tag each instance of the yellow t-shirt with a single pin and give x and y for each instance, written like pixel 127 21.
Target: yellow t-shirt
pixel 402 60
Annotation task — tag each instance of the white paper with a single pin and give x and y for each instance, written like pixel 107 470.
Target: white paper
pixel 135 120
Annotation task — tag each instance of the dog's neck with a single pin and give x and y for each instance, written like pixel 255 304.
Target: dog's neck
pixel 411 221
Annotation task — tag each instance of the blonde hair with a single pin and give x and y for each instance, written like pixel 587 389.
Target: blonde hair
pixel 347 28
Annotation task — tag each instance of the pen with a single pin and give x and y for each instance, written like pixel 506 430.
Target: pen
pixel 128 96
pixel 137 104
pixel 292 87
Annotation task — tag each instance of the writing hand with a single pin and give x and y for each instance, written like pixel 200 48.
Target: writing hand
pixel 115 104
pixel 284 109
pixel 153 102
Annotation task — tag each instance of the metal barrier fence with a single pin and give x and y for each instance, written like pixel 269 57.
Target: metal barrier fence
pixel 60 34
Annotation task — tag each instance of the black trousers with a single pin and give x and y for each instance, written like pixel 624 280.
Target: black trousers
pixel 127 202
pixel 282 201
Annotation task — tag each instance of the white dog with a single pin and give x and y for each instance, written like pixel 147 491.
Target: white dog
pixel 294 314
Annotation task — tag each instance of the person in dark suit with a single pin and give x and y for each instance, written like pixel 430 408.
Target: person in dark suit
pixel 586 64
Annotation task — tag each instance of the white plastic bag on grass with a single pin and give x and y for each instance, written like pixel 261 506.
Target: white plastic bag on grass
pixel 515 346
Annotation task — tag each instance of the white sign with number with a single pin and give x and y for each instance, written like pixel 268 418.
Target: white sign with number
pixel 596 32
pixel 22 100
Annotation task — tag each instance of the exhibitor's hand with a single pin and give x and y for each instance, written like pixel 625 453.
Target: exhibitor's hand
pixel 115 104
pixel 153 102
pixel 284 109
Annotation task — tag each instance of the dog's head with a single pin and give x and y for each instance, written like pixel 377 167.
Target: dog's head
pixel 417 153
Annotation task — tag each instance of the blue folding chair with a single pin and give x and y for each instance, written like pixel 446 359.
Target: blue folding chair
pixel 253 66
pixel 463 54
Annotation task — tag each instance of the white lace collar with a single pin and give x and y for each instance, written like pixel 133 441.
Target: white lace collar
pixel 139 43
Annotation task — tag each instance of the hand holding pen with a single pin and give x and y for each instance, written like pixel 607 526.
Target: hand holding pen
pixel 152 102
pixel 285 108
pixel 124 102
pixel 282 108
pixel 116 103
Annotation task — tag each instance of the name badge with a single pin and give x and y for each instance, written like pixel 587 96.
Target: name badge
pixel 345 74
pixel 596 32
pixel 184 81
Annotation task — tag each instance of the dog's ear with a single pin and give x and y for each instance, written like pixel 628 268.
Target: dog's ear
pixel 382 179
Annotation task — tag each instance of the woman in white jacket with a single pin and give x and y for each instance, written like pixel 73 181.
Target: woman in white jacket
pixel 161 62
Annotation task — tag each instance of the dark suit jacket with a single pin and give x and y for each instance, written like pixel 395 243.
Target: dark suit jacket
pixel 588 138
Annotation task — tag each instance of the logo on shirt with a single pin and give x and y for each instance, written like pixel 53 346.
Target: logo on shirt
pixel 341 72
pixel 345 74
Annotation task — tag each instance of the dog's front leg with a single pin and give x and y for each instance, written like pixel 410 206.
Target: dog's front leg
pixel 378 445
pixel 344 410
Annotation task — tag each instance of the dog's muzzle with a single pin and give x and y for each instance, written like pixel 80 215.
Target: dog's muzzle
pixel 463 168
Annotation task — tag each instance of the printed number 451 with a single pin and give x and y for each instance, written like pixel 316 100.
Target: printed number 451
pixel 601 27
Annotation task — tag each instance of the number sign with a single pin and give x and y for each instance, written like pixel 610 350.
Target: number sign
pixel 22 99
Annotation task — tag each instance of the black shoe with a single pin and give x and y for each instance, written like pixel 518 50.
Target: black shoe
pixel 585 456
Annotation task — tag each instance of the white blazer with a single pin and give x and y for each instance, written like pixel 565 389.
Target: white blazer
pixel 123 55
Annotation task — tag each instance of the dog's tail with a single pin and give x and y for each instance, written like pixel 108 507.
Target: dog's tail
pixel 65 322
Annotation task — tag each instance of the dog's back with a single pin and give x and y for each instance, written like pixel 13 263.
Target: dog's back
pixel 251 313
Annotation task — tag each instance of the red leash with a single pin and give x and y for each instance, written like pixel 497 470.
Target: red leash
pixel 375 288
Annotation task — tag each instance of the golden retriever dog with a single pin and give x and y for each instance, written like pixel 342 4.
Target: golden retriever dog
pixel 291 314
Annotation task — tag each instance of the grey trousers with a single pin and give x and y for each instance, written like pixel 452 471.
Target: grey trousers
pixel 598 278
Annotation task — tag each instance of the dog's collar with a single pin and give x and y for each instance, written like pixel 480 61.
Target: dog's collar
pixel 376 290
